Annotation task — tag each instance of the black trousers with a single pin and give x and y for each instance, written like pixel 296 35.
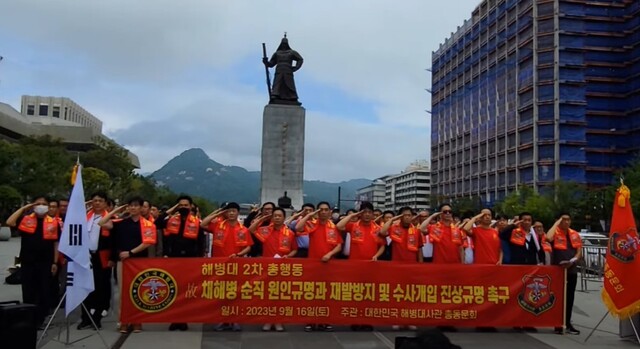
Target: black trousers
pixel 36 287
pixel 572 281
pixel 100 298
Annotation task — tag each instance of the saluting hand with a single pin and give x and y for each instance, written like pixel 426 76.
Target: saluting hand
pixel 120 208
pixel 28 206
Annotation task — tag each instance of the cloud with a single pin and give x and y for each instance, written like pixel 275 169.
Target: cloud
pixel 164 75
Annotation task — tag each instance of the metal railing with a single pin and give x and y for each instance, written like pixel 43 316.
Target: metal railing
pixel 591 267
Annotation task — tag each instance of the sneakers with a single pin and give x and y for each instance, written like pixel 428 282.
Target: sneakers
pixel 412 328
pixel 266 327
pixel 137 328
pixel 395 327
pixel 279 328
pixel 236 328
pixel 308 328
pixel 572 330
pixel 173 327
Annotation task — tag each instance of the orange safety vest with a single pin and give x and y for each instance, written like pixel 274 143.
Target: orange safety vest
pixel 103 232
pixel 436 234
pixel 148 231
pixel 560 239
pixel 331 233
pixel 49 228
pixel 357 237
pixel 241 236
pixel 518 236
pixel 284 239
pixel 191 226
pixel 396 235
pixel 546 246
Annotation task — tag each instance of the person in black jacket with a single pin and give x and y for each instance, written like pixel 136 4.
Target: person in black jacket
pixel 524 247
pixel 182 237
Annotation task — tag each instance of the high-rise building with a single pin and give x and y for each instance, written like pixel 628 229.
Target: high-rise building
pixel 527 92
pixel 412 188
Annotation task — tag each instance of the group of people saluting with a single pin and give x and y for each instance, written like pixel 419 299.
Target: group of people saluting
pixel 316 232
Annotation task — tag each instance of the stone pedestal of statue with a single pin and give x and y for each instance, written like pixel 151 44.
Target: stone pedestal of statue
pixel 282 166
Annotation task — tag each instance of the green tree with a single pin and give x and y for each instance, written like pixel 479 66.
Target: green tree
pixel 41 165
pixel 10 199
pixel 95 179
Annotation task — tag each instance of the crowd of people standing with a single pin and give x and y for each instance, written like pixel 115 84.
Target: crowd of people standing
pixel 139 229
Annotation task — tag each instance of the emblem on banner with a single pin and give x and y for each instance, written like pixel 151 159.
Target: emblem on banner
pixel 623 247
pixel 536 296
pixel 153 290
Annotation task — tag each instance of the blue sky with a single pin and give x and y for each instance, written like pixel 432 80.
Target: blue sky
pixel 164 76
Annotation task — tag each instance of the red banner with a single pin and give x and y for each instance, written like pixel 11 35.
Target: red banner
pixel 267 290
pixel 621 293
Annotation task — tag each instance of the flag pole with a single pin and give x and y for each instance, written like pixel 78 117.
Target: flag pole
pixel 67 342
pixel 596 327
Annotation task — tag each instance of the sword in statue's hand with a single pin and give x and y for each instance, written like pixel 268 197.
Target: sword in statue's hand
pixel 265 60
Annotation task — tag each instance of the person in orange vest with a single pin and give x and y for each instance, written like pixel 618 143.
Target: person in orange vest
pixel 445 236
pixel 230 239
pixel 131 237
pixel 486 239
pixel 363 241
pixel 362 234
pixel 145 211
pixel 524 247
pixel 58 284
pixel 406 241
pixel 277 241
pixel 325 242
pixel 183 237
pixel 99 300
pixel 40 234
pixel 567 251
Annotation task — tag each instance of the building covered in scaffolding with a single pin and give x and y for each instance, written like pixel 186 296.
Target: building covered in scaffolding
pixel 528 92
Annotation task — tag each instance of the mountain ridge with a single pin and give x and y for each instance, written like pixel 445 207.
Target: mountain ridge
pixel 194 172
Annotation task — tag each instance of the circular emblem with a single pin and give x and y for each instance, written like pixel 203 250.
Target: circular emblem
pixel 153 290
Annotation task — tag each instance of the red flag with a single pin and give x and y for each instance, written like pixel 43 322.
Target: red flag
pixel 620 293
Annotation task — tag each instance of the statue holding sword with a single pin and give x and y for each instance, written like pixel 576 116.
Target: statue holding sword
pixel 283 90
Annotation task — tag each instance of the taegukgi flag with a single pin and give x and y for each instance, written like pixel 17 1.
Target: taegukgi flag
pixel 74 243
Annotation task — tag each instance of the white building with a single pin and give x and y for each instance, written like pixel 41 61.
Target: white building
pixel 59 107
pixel 374 193
pixel 412 188
pixel 82 134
